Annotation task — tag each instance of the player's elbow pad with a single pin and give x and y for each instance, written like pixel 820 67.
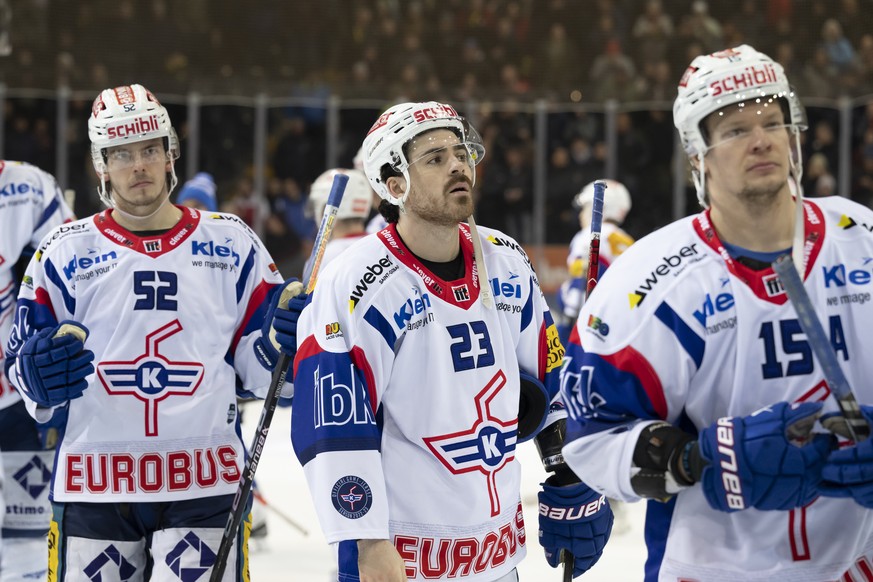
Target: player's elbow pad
pixel 666 460
pixel 533 406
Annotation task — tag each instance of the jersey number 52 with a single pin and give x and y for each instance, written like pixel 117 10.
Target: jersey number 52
pixel 155 290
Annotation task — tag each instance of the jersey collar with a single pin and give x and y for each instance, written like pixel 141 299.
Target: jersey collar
pixel 764 283
pixel 151 246
pixel 462 292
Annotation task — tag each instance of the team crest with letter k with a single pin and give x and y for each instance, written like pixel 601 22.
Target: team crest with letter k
pixel 486 447
pixel 151 377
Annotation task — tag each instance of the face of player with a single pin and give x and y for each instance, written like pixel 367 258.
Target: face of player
pixel 441 176
pixel 749 157
pixel 138 174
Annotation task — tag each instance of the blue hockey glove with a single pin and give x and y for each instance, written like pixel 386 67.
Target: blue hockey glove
pixel 574 518
pixel 285 324
pixel 752 462
pixel 54 367
pixel 849 472
pixel 268 346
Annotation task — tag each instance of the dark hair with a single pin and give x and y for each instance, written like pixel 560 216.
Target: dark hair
pixel 390 212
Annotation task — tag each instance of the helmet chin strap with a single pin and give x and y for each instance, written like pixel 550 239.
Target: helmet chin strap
pixel 798 254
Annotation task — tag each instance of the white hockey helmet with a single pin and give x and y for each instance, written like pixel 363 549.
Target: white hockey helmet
pixel 124 115
pixel 399 126
pixel 357 198
pixel 729 77
pixel 616 200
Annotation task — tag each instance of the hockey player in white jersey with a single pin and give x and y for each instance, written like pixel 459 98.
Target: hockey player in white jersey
pixel 351 217
pixel 171 305
pixel 688 377
pixel 408 379
pixel 614 241
pixel 31 205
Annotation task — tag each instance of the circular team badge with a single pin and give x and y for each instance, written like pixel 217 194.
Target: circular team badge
pixel 352 497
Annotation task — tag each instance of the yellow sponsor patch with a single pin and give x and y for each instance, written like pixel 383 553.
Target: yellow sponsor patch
pixel 556 350
pixel 54 537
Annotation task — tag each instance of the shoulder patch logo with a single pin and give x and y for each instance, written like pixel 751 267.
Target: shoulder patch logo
pixel 351 497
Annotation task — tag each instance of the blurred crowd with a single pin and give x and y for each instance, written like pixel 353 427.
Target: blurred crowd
pixel 580 50
pixel 492 58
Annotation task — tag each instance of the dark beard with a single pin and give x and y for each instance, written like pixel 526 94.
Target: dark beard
pixel 446 214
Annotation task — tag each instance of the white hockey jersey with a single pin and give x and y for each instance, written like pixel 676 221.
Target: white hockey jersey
pixel 333 249
pixel 679 331
pixel 406 404
pixel 172 322
pixel 31 205
pixel 613 242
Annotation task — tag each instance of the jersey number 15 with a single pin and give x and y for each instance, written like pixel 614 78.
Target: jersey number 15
pixel 791 345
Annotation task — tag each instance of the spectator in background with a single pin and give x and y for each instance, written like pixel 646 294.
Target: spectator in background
pixel 862 189
pixel 199 193
pixel 841 55
pixel 613 75
pixel 558 62
pixel 652 32
pixel 817 179
pixel 247 205
pixel 819 78
pixel 865 65
pixel 704 27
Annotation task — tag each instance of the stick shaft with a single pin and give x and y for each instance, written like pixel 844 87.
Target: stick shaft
pixel 821 347
pixel 594 247
pixel 271 401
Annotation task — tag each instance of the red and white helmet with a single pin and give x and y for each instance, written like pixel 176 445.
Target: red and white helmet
pixel 616 200
pixel 725 78
pixel 402 123
pixel 124 115
pixel 729 77
pixel 357 198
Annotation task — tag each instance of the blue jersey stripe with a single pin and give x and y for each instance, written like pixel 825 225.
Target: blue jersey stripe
pixel 688 339
pixel 47 213
pixel 527 310
pixel 53 276
pixel 244 273
pixel 375 318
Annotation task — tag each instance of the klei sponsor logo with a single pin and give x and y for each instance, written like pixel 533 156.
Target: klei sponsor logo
pixel 410 309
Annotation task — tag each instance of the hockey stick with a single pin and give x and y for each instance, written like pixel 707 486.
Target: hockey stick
pixel 284 516
pixel 591 282
pixel 856 426
pixel 278 380
pixel 594 246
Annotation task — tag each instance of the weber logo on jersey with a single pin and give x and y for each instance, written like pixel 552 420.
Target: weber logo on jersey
pixel 669 264
pixel 377 271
